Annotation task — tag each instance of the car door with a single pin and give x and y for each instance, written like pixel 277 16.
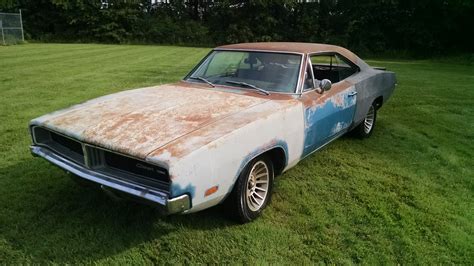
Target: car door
pixel 329 114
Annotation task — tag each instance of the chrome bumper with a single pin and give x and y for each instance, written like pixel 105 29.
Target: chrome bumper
pixel 109 183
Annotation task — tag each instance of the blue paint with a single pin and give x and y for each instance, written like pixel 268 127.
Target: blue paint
pixel 177 190
pixel 324 121
pixel 273 144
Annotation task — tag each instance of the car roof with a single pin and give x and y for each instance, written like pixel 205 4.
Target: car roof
pixel 292 47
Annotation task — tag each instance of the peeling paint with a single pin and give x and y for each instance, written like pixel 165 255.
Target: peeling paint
pixel 152 117
pixel 213 131
pixel 177 190
pixel 326 118
pixel 266 147
pixel 206 136
pixel 260 150
pixel 338 127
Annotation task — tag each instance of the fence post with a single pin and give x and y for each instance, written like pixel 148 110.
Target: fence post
pixel 22 32
pixel 3 36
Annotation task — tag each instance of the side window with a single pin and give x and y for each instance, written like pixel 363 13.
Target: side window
pixel 332 67
pixel 345 70
pixel 324 67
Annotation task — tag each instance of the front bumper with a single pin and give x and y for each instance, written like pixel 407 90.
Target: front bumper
pixel 109 183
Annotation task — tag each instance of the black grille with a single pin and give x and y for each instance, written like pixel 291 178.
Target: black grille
pixel 104 161
pixel 136 167
pixel 68 143
pixel 65 146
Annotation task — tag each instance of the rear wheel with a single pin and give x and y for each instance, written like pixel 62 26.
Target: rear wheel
pixel 364 129
pixel 252 190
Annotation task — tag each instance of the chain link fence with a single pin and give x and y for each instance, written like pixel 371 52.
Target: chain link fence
pixel 11 28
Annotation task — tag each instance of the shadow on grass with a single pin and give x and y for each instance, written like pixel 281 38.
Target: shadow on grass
pixel 48 217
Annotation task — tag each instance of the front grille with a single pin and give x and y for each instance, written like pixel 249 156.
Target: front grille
pixel 69 148
pixel 104 161
pixel 68 143
pixel 136 167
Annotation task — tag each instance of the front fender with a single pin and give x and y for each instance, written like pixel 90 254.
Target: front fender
pixel 194 168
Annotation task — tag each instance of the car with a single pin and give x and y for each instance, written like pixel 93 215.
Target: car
pixel 245 114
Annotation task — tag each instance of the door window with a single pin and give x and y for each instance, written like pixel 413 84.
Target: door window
pixel 332 67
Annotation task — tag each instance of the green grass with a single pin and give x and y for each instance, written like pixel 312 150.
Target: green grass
pixel 403 196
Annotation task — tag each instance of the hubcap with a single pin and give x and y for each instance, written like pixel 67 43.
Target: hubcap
pixel 369 120
pixel 257 185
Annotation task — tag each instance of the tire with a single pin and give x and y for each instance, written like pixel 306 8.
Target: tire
pixel 251 194
pixel 365 129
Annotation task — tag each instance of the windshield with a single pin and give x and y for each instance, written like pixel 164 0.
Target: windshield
pixel 273 72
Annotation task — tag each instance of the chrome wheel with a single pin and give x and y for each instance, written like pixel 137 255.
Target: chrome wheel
pixel 369 120
pixel 257 186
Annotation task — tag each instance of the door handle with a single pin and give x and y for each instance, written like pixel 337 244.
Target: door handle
pixel 354 93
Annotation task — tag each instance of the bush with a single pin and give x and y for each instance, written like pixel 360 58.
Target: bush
pixel 423 27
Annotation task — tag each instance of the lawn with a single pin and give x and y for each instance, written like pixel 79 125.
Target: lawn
pixel 405 195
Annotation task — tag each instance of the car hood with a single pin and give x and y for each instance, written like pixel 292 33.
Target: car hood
pixel 137 122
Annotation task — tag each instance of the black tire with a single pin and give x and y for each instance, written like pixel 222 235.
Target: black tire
pixel 237 204
pixel 362 130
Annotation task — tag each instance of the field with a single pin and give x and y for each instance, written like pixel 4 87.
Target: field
pixel 405 195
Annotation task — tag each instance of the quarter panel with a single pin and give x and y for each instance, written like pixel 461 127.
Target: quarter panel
pixel 370 85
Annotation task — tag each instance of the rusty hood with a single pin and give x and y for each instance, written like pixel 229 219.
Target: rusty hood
pixel 137 122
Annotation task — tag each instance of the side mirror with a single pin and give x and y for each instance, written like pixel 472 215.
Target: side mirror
pixel 325 85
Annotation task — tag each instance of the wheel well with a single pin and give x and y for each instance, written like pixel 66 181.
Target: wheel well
pixel 278 157
pixel 378 102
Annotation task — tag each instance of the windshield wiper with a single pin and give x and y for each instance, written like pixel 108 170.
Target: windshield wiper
pixel 248 86
pixel 204 80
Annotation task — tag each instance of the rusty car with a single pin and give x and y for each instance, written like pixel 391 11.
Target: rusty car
pixel 245 114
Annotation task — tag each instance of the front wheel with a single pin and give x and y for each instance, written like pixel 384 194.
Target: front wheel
pixel 252 190
pixel 364 129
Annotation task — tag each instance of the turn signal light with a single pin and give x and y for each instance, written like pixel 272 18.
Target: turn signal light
pixel 211 191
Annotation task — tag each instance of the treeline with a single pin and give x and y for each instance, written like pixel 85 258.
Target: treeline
pixel 368 26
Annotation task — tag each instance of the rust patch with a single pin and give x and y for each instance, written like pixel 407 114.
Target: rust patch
pixel 251 93
pixel 208 134
pixel 197 117
pixel 313 98
pixel 139 121
pixel 184 84
pixel 272 96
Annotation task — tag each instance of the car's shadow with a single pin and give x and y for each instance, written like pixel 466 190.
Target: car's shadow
pixel 48 217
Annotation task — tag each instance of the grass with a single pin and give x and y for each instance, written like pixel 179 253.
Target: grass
pixel 403 196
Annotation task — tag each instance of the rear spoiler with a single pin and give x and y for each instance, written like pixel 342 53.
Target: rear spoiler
pixel 380 68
